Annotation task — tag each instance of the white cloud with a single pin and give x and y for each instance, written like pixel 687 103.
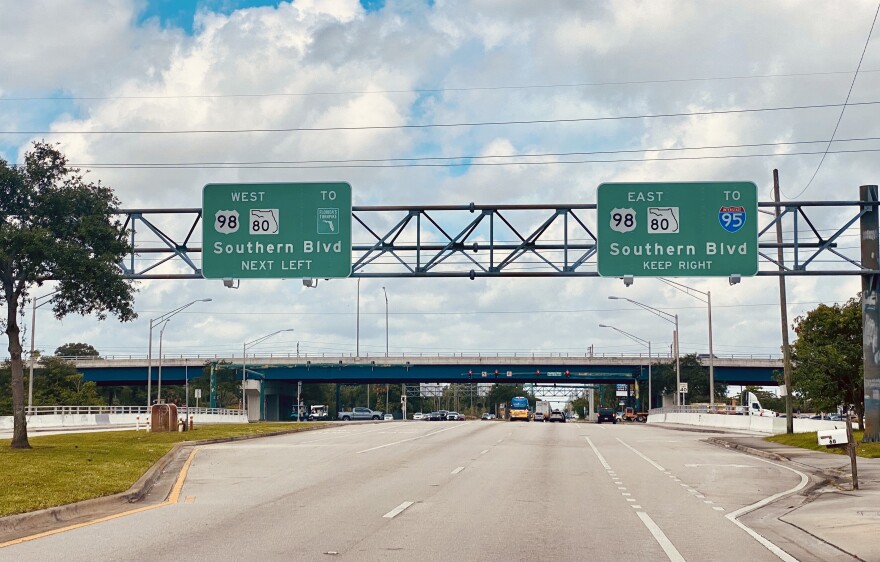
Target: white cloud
pixel 324 49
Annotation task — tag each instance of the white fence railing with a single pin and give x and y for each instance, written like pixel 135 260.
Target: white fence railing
pixel 142 410
pixel 73 417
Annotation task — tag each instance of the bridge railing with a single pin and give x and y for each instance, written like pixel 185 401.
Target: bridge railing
pixel 454 355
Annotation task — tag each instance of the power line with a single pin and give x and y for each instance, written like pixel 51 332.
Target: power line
pixel 431 90
pixel 845 102
pixel 440 125
pixel 457 158
pixel 487 164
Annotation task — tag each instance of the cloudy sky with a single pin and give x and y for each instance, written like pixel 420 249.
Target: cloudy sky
pixel 122 85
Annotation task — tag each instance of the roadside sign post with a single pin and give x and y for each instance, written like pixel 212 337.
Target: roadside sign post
pixel 198 394
pixel 276 231
pixel 682 391
pixel 697 229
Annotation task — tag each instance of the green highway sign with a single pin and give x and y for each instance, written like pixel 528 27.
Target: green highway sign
pixel 695 229
pixel 276 230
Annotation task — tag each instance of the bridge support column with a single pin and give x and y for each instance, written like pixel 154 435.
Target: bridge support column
pixel 213 390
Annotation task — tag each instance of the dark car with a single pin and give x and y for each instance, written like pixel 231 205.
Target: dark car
pixel 435 416
pixel 607 415
pixel 556 416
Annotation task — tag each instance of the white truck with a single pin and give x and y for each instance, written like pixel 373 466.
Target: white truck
pixel 752 407
pixel 359 414
pixel 542 410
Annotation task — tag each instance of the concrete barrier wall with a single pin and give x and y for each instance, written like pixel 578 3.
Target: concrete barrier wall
pixel 61 421
pixel 768 425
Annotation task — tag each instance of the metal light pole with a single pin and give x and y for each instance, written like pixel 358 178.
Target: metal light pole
pixel 643 342
pixel 386 321
pixel 159 387
pixel 386 344
pixel 357 352
pixel 153 323
pixel 708 294
pixel 34 307
pixel 244 348
pixel 673 319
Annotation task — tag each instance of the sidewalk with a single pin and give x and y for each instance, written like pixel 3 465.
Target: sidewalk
pixel 831 511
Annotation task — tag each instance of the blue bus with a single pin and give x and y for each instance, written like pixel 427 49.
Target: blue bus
pixel 519 408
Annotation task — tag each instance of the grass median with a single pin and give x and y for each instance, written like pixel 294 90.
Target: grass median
pixel 810 441
pixel 62 469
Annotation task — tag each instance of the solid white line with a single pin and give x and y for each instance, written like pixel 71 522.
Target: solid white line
pixel 732 516
pixel 598 454
pixel 657 466
pixel 397 510
pixel 667 546
pixel 457 470
pixel 411 439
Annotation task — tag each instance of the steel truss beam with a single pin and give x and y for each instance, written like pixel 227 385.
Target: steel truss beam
pixel 502 240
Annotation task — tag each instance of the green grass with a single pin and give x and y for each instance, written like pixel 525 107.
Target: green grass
pixel 62 469
pixel 809 441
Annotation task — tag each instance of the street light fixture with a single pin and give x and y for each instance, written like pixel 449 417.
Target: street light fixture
pixel 153 323
pixel 673 319
pixel 244 365
pixel 708 294
pixel 34 307
pixel 643 342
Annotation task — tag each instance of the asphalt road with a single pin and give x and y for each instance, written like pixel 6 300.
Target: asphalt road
pixel 448 491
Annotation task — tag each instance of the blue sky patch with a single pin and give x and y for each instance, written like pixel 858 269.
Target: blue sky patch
pixel 181 13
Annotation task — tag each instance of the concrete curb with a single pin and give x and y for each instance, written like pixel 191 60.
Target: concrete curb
pixel 746 449
pixel 65 514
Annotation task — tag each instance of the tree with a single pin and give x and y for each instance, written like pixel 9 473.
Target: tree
pixel 76 350
pixel 504 392
pixel 60 383
pixel 692 372
pixel 827 356
pixel 56 226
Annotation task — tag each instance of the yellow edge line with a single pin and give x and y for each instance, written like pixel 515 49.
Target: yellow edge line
pixel 172 499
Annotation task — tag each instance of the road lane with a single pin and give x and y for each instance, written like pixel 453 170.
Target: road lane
pixel 445 491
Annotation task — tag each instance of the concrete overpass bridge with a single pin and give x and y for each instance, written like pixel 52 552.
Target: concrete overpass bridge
pixel 271 381
pixel 416 369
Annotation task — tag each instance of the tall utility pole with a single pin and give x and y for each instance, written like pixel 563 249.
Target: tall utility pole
pixel 783 309
pixel 870 314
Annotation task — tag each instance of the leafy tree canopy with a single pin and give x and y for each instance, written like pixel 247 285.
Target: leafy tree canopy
pixel 76 350
pixel 827 355
pixel 56 226
pixel 58 382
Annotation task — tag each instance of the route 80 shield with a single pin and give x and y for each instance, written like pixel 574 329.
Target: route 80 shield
pixel 732 218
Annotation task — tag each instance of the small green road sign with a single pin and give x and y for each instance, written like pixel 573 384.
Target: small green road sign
pixel 276 230
pixel 697 229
